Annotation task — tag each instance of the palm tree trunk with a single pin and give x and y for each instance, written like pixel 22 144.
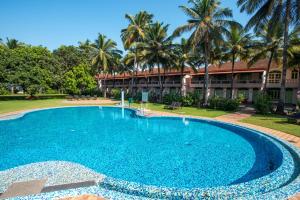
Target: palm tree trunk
pixel 264 90
pixel 232 75
pixel 298 90
pixel 124 82
pixel 181 78
pixel 114 79
pixel 160 83
pixel 281 103
pixel 105 88
pixel 206 50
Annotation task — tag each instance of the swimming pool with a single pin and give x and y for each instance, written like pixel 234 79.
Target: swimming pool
pixel 158 154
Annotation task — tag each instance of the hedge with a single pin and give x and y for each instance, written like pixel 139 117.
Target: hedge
pixel 26 97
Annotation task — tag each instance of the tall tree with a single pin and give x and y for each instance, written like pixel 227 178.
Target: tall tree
pixel 105 51
pixel 237 44
pixel 271 12
pixel 207 22
pixel 133 33
pixel 157 50
pixel 268 46
pixel 184 55
pixel 12 43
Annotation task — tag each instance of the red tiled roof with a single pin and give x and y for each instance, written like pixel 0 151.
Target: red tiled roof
pixel 240 67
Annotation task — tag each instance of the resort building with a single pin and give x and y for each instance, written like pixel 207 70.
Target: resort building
pixel 247 81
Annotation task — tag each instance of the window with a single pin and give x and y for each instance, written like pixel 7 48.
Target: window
pixel 218 92
pixel 294 74
pixel 274 94
pixel 274 77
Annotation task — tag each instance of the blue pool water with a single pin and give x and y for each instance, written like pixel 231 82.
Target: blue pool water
pixel 171 152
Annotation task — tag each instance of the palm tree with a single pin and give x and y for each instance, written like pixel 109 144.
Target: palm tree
pixel 157 50
pixel 268 46
pixel 105 51
pixel 207 23
pixel 271 12
pixel 184 57
pixel 12 43
pixel 237 42
pixel 133 33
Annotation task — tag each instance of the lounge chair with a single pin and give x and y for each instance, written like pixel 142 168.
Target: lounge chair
pixel 76 97
pixel 69 98
pixel 95 97
pixel 295 118
pixel 88 97
pixel 82 97
pixel 173 106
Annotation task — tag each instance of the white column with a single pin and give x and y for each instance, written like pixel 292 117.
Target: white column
pixel 264 79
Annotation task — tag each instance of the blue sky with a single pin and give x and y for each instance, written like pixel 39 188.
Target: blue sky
pixel 52 23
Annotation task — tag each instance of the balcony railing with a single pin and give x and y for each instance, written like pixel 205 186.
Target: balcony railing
pixel 212 83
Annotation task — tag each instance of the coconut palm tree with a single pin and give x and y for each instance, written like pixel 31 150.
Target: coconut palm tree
pixel 133 33
pixel 271 12
pixel 105 51
pixel 12 43
pixel 237 43
pixel 207 22
pixel 157 50
pixel 268 46
pixel 184 55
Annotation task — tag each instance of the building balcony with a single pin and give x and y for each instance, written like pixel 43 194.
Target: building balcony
pixel 144 84
pixel 290 83
pixel 227 83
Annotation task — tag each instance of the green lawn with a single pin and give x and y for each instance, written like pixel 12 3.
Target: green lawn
pixel 274 122
pixel 16 105
pixel 184 110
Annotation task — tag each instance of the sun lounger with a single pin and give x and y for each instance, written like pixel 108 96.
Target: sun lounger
pixel 295 118
pixel 88 97
pixel 95 97
pixel 69 98
pixel 173 106
pixel 76 97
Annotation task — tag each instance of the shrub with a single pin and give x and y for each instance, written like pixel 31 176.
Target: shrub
pixel 116 93
pixel 153 97
pixel 231 104
pixel 224 104
pixel 262 103
pixel 3 90
pixel 33 89
pixel 187 100
pixel 24 97
pixel 171 97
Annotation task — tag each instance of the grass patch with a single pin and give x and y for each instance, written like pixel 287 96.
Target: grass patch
pixel 184 110
pixel 17 105
pixel 275 122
